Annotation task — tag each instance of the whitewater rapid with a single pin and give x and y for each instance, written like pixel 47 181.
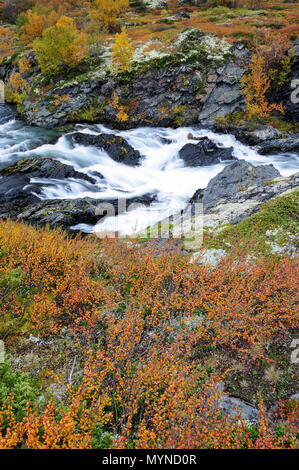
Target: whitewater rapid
pixel 161 171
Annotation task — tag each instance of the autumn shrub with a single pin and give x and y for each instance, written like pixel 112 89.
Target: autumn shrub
pixel 20 88
pixel 61 47
pixel 272 46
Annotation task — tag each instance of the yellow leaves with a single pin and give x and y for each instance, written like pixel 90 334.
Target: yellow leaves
pixel 122 53
pixel 61 99
pixel 256 84
pixel 107 12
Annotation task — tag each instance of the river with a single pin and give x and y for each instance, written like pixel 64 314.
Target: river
pixel 161 171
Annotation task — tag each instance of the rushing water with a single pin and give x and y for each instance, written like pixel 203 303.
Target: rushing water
pixel 161 172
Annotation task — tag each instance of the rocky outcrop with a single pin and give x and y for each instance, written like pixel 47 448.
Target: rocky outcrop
pixel 226 97
pixel 234 194
pixel 42 168
pixel 17 191
pixel 205 152
pixel 288 144
pixel 7 113
pixel 74 212
pixel 117 147
pixel 235 181
pixel 288 95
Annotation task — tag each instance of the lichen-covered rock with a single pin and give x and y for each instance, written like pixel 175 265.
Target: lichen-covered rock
pixel 205 152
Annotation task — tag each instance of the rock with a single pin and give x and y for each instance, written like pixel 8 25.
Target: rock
pixel 183 14
pixel 7 113
pixel 117 147
pixel 205 152
pixel 239 191
pixel 232 182
pixel 69 213
pixel 233 406
pixel 226 97
pixel 16 189
pixel 162 91
pixel 61 213
pixel 265 139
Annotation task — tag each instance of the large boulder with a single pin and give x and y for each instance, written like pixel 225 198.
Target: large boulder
pixel 74 212
pixel 43 168
pixel 117 147
pixel 205 152
pixel 233 407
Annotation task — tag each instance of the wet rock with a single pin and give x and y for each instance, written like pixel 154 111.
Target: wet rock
pixel 117 147
pixel 205 152
pixel 266 139
pixel 226 96
pixel 7 113
pixel 233 406
pixel 289 144
pixel 233 181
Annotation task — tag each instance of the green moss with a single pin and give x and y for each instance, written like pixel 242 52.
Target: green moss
pixel 280 217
